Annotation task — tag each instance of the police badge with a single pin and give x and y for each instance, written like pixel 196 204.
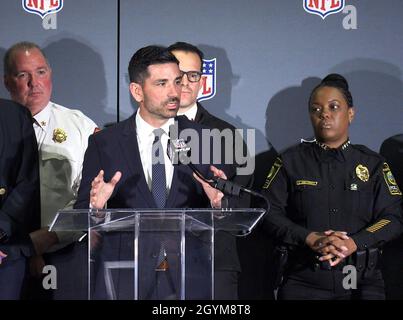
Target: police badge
pixel 362 172
pixel 59 135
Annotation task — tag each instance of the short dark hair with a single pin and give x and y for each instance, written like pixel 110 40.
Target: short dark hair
pixel 337 81
pixel 145 57
pixel 187 47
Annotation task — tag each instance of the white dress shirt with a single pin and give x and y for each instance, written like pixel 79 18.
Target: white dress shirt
pixel 145 139
pixel 190 113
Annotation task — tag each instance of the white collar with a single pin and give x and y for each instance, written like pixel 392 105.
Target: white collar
pixel 144 129
pixel 190 113
pixel 42 117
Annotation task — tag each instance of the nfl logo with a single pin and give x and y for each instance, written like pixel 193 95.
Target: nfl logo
pixel 323 8
pixel 208 88
pixel 42 7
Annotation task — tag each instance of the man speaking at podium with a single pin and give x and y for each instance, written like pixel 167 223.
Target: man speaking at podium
pixel 119 169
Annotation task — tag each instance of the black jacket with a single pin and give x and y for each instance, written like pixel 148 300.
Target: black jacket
pixel 348 189
pixel 19 179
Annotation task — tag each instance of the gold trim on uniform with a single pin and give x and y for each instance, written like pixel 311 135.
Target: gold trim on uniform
pixel 59 135
pixel 306 183
pixel 377 226
pixel 344 146
pixel 362 172
pixel 390 181
pixel 273 172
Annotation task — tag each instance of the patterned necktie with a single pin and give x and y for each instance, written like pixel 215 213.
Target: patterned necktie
pixel 158 189
pixel 158 183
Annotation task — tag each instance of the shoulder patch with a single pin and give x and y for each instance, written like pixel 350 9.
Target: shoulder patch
pixel 272 173
pixel 390 181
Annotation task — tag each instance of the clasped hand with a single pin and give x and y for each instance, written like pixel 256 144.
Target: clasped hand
pixel 334 246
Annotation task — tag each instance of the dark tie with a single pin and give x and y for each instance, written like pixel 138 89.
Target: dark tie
pixel 158 189
pixel 158 182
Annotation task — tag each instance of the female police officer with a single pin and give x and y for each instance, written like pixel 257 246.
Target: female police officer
pixel 333 205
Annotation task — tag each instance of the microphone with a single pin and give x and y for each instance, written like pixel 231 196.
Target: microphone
pixel 179 153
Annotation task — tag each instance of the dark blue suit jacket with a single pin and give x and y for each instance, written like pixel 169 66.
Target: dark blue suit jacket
pixel 19 179
pixel 115 149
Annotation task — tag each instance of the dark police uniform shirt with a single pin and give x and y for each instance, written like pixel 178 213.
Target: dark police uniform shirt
pixel 314 188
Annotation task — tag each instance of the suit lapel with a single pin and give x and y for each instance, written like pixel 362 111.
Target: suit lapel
pixel 130 150
pixel 177 169
pixel 173 191
pixel 199 114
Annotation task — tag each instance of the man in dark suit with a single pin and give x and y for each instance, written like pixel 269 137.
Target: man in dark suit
pixel 19 195
pixel 190 60
pixel 124 154
pixel 392 269
pixel 191 64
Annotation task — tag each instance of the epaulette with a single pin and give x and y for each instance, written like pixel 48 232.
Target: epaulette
pixel 367 151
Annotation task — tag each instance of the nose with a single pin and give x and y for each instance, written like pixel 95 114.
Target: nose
pixel 185 80
pixel 33 80
pixel 174 90
pixel 325 114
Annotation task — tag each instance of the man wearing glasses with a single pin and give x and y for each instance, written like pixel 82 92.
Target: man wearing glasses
pixel 227 266
pixel 191 63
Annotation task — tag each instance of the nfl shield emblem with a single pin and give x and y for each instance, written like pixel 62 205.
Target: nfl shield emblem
pixel 42 7
pixel 323 8
pixel 208 88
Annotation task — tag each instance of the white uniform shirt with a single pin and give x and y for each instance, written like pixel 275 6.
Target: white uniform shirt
pixel 60 159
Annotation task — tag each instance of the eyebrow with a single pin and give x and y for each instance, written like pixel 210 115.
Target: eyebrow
pixel 331 100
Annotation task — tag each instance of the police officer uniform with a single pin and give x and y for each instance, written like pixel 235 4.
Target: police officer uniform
pixel 314 188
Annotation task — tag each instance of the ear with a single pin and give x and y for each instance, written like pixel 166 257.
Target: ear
pixel 136 91
pixel 351 114
pixel 6 81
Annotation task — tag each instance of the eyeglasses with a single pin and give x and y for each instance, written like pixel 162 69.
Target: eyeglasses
pixel 193 76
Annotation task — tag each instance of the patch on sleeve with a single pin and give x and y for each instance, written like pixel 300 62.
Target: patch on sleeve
pixel 272 173
pixel 377 226
pixel 390 181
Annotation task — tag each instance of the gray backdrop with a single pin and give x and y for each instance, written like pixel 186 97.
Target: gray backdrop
pixel 269 54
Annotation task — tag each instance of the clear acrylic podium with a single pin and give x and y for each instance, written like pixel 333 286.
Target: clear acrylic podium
pixel 153 254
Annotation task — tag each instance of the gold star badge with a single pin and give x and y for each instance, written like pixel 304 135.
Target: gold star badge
pixel 43 123
pixel 362 172
pixel 59 135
